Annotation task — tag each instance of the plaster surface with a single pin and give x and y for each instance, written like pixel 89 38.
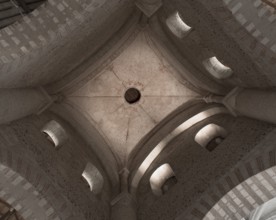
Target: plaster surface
pixel 140 66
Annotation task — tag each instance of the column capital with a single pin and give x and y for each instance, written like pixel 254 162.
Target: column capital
pixel 230 100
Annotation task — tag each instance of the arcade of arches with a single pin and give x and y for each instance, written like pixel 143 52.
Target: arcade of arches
pixel 137 109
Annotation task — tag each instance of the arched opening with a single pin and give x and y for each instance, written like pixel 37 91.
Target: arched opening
pixel 54 133
pixel 217 69
pixel 177 26
pixel 162 180
pixel 93 177
pixel 210 136
pixel 163 143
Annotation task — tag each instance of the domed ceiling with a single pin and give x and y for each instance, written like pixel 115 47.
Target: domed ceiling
pixel 102 99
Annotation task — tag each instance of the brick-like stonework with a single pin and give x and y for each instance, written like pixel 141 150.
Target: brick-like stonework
pixel 250 183
pixel 244 198
pixel 23 196
pixel 33 49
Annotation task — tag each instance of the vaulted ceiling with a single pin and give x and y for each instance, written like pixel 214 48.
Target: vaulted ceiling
pixel 125 85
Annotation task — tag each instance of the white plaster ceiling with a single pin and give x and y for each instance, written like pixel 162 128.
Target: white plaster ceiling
pixel 102 101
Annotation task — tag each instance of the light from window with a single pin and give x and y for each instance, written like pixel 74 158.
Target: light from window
pixel 177 25
pixel 55 133
pixel 216 68
pixel 162 179
pixel 93 178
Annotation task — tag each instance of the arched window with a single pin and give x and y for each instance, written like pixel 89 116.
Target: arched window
pixel 162 179
pixel 93 178
pixel 177 25
pixel 55 133
pixel 216 68
pixel 210 136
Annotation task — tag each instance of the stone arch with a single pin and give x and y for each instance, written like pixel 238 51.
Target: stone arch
pixel 23 196
pixel 47 32
pixel 224 38
pixel 244 170
pixel 246 29
pixel 183 123
pixel 176 34
pixel 25 176
pixel 239 202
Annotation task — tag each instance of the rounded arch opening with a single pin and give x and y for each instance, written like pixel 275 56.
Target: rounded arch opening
pixel 177 26
pixel 55 133
pixel 216 68
pixel 93 178
pixel 162 179
pixel 210 136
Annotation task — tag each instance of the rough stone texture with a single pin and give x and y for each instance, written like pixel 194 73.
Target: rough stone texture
pixel 102 99
pixel 252 42
pixel 218 42
pixel 257 19
pixel 92 137
pixel 55 174
pixel 255 163
pixel 195 167
pixel 187 54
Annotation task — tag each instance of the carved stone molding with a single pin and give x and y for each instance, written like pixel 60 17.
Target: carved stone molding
pixel 149 7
